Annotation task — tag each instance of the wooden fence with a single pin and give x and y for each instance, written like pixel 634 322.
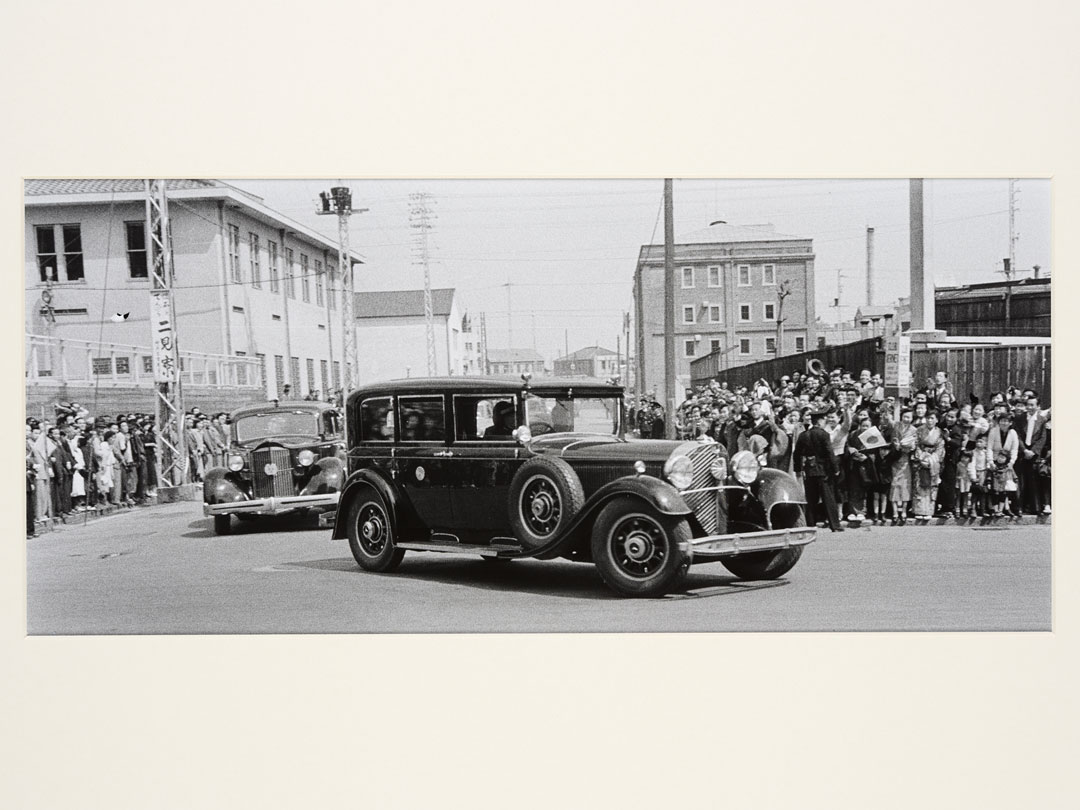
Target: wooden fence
pixel 981 370
pixel 868 353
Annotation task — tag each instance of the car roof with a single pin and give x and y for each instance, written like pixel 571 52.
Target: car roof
pixel 286 405
pixel 484 385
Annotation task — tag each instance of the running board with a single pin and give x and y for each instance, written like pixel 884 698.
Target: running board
pixel 491 550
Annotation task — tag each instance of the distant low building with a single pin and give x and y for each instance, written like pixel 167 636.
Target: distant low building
pixel 592 361
pixel 515 361
pixel 391 335
pixel 1019 308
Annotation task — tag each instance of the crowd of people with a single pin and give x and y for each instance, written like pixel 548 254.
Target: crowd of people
pixel 866 455
pixel 77 463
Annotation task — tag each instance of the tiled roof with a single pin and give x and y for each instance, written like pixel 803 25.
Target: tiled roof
pixel 588 353
pixel 514 356
pixel 402 303
pixel 33 188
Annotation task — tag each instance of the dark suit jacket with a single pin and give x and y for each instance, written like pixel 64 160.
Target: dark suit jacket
pixel 1038 435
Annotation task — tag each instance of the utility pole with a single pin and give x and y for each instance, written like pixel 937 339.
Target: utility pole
pixel 420 216
pixel 169 405
pixel 869 267
pixel 669 308
pixel 509 318
pixel 783 292
pixel 483 342
pixel 339 201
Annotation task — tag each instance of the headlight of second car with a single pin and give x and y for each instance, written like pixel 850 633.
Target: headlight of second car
pixel 306 458
pixel 679 471
pixel 745 467
pixel 236 463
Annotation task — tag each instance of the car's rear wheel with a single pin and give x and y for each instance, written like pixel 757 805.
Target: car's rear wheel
pixel 639 551
pixel 371 535
pixel 545 496
pixel 222 524
pixel 765 564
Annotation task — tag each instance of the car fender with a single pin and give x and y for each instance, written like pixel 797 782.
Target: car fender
pixel 220 486
pixel 328 476
pixel 366 479
pixel 776 487
pixel 660 495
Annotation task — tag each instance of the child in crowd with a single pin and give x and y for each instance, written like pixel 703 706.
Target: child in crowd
pixel 980 466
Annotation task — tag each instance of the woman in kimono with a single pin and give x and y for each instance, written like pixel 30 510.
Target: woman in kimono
pixel 1003 446
pixel 78 485
pixel 904 441
pixel 106 461
pixel 926 466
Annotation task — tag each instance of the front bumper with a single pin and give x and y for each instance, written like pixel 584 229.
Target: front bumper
pixel 718 546
pixel 272 506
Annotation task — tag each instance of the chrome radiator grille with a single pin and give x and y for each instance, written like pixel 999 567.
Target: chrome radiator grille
pixel 279 484
pixel 704 503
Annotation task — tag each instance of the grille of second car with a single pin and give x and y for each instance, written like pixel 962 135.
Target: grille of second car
pixel 704 503
pixel 278 485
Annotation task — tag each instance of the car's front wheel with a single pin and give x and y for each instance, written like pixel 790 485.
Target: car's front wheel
pixel 638 551
pixel 371 535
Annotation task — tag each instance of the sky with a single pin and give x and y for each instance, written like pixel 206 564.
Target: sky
pixel 551 262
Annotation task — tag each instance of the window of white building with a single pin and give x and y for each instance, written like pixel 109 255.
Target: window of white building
pixel 714 276
pixel 768 275
pixel 687 278
pixel 744 275
pixel 744 313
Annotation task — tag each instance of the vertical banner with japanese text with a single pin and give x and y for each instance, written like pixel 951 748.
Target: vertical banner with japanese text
pixel 166 365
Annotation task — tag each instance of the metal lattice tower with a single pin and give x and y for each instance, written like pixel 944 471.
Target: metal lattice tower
pixel 168 424
pixel 420 217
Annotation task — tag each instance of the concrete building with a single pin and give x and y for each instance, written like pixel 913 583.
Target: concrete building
pixel 592 361
pixel 391 336
pixel 726 283
pixel 515 361
pixel 256 294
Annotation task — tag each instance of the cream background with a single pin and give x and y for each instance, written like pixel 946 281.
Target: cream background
pixel 831 89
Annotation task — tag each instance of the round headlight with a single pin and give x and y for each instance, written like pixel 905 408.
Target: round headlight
pixel 639 467
pixel 236 463
pixel 306 458
pixel 745 467
pixel 679 471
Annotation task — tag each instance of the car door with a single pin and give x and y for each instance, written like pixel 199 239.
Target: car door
pixel 480 468
pixel 421 458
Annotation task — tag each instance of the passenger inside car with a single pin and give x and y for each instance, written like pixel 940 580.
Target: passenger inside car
pixel 504 421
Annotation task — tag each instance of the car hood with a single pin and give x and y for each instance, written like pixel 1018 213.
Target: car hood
pixel 291 443
pixel 597 446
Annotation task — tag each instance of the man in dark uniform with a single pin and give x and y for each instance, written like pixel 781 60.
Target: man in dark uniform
pixel 815 461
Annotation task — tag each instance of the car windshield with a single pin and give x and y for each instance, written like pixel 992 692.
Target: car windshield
pixel 572 413
pixel 276 423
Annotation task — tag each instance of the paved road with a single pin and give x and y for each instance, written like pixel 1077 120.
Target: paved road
pixel 162 570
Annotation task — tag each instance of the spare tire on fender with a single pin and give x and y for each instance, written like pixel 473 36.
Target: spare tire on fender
pixel 545 496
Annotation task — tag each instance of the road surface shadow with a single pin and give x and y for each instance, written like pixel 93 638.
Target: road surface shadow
pixel 260 524
pixel 538 577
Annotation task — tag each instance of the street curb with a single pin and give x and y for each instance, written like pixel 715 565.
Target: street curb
pixel 1024 520
pixel 79 518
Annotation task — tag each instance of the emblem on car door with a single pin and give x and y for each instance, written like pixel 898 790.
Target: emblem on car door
pixel 420 473
pixel 270 469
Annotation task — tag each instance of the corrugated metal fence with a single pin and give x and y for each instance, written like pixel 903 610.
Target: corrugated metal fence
pixel 981 370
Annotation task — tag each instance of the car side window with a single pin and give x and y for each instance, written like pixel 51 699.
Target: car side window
pixel 483 417
pixel 423 419
pixel 377 420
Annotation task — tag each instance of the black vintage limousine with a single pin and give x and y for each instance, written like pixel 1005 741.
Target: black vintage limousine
pixel 508 469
